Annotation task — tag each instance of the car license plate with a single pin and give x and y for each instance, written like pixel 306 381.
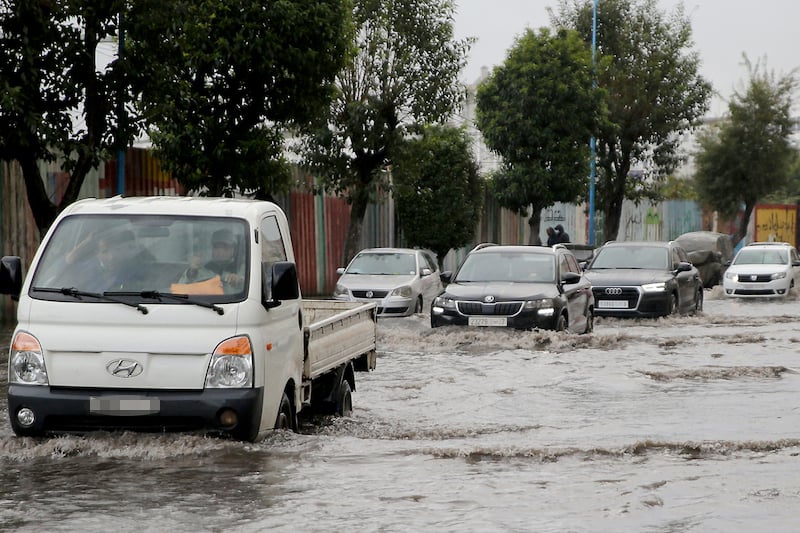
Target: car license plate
pixel 487 321
pixel 124 406
pixel 613 304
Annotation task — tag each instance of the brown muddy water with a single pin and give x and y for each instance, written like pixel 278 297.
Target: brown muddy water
pixel 687 423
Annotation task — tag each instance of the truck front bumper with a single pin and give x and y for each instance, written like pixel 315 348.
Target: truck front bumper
pixel 72 410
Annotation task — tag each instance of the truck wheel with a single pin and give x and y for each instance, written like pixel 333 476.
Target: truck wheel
pixel 344 400
pixel 284 419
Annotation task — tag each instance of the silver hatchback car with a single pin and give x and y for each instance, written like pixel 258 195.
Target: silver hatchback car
pixel 401 281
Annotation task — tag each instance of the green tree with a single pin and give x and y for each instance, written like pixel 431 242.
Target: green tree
pixel 538 110
pixel 405 72
pixel 56 102
pixel 438 191
pixel 221 82
pixel 655 94
pixel 749 154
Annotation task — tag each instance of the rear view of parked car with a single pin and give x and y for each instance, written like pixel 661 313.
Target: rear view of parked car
pixel 400 281
pixel 762 269
pixel 709 252
pixel 644 279
pixel 522 287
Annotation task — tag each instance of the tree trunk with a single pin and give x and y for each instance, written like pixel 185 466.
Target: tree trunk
pixel 44 211
pixel 358 208
pixel 534 222
pixel 741 232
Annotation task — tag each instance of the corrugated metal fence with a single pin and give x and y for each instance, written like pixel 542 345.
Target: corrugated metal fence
pixel 319 221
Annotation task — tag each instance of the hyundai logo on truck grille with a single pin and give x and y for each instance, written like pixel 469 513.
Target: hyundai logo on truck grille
pixel 124 368
pixel 613 291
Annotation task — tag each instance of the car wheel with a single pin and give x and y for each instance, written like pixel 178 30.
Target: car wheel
pixel 673 305
pixel 589 321
pixel 561 323
pixel 434 322
pixel 418 307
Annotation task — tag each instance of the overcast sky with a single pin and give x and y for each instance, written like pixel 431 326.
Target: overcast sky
pixel 722 30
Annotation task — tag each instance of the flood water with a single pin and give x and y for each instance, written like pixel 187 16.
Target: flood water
pixel 687 423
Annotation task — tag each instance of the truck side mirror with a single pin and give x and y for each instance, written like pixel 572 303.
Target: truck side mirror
pixel 278 282
pixel 11 276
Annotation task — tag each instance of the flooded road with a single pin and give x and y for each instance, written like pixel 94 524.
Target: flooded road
pixel 682 424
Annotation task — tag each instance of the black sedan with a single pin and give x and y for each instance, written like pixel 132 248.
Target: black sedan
pixel 523 287
pixel 644 279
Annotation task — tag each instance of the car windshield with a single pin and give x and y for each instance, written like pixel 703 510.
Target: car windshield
pixel 129 255
pixel 383 263
pixel 761 257
pixel 645 257
pixel 507 266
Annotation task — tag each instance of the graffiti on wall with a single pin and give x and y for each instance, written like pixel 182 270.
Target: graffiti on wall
pixel 776 223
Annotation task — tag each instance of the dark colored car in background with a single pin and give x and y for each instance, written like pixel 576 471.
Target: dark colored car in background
pixel 644 279
pixel 522 287
pixel 710 252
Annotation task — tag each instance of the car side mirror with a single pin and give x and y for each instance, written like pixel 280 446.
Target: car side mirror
pixel 683 267
pixel 795 263
pixel 426 271
pixel 569 278
pixel 446 276
pixel 340 270
pixel 11 276
pixel 278 283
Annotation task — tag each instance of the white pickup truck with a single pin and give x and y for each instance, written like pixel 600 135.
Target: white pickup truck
pixel 175 314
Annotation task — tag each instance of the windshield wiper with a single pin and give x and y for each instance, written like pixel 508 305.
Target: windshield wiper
pixel 156 295
pixel 75 293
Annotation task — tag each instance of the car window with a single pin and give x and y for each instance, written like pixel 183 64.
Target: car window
pixel 572 261
pixel 507 266
pixel 647 257
pixel 564 264
pixel 755 256
pixel 430 262
pixel 383 263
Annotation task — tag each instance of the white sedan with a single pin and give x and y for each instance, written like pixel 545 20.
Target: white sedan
pixel 401 281
pixel 762 270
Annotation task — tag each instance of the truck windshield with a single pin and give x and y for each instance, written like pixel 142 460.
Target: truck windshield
pixel 205 257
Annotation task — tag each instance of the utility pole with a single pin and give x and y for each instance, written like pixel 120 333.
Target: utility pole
pixel 592 141
pixel 121 117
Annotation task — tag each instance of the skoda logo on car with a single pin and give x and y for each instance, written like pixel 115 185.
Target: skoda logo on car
pixel 613 291
pixel 489 299
pixel 124 368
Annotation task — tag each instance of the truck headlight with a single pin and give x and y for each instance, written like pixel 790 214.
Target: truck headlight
pixel 26 362
pixel 231 365
pixel 655 287
pixel 404 291
pixel 341 291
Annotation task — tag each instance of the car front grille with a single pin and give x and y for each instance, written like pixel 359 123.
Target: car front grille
pixel 626 294
pixel 373 293
pixel 497 308
pixel 755 278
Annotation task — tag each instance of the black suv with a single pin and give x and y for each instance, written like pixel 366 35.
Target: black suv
pixel 523 287
pixel 644 279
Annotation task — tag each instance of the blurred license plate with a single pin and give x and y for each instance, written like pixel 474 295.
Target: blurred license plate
pixel 613 304
pixel 487 321
pixel 124 406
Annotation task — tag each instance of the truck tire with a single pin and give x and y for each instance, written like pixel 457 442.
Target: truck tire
pixel 285 418
pixel 344 399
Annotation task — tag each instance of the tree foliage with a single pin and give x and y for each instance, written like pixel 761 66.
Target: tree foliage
pixel 538 110
pixel 405 72
pixel 56 102
pixel 749 154
pixel 655 95
pixel 220 82
pixel 438 191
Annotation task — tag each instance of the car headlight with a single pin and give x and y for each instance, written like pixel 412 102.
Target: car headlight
pixel 404 291
pixel 655 287
pixel 26 362
pixel 231 365
pixel 340 290
pixel 444 302
pixel 541 303
pixel 731 276
pixel 778 275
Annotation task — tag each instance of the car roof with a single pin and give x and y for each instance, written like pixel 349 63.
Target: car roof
pixel 767 244
pixel 659 244
pixel 520 248
pixel 391 250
